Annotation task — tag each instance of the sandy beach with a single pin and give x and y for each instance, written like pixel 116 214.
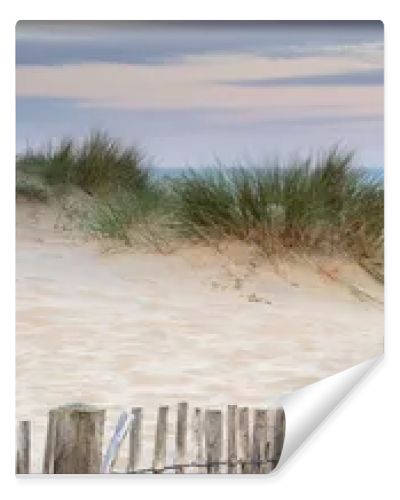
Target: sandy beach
pixel 133 327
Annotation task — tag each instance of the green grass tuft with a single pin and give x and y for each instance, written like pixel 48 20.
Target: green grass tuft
pixel 99 165
pixel 144 216
pixel 319 204
pixel 31 189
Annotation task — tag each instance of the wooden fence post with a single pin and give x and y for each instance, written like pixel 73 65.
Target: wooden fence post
pixel 232 439
pixel 260 441
pixel 75 437
pixel 160 445
pixel 271 430
pixel 279 435
pixel 48 463
pixel 198 438
pixel 213 438
pixel 23 455
pixel 135 440
pixel 244 440
pixel 181 437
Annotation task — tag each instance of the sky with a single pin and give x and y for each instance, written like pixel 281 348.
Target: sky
pixel 187 93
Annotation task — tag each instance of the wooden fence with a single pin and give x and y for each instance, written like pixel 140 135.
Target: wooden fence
pixel 252 441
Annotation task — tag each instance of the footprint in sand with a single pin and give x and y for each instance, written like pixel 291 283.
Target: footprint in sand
pixel 255 298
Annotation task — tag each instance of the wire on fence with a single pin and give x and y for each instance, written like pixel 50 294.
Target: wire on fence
pixel 202 465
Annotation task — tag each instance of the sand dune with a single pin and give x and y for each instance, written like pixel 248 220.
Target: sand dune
pixel 133 327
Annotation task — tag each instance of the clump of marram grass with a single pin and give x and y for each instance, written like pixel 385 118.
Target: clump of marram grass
pixel 144 216
pixel 52 166
pixel 319 204
pixel 99 164
pixel 31 189
pixel 112 217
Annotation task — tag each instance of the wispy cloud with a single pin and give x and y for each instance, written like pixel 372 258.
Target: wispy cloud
pixel 193 83
pixel 57 43
pixel 355 78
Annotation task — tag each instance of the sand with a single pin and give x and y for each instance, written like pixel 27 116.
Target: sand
pixel 134 327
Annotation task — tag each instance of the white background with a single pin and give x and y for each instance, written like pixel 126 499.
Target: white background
pixel 355 453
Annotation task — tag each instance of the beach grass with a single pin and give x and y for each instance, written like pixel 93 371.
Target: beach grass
pixel 99 164
pixel 31 189
pixel 144 215
pixel 321 203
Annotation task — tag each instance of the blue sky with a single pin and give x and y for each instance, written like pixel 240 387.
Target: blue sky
pixel 187 92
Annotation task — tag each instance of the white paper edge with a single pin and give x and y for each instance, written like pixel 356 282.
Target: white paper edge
pixel 306 408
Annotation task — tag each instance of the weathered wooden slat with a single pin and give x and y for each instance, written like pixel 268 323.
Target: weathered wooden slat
pixel 78 440
pixel 48 462
pixel 232 439
pixel 120 432
pixel 271 439
pixel 23 455
pixel 135 440
pixel 198 438
pixel 160 444
pixel 244 454
pixel 260 441
pixel 278 436
pixel 281 423
pixel 181 437
pixel 213 440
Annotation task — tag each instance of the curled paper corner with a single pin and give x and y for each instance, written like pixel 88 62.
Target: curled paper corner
pixel 308 407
